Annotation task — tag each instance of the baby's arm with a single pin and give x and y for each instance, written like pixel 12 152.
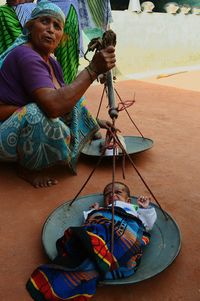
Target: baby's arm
pixel 146 212
pixel 143 201
pixel 95 206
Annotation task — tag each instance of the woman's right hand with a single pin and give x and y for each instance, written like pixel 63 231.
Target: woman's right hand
pixel 103 60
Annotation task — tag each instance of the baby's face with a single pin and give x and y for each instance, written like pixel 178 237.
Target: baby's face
pixel 120 194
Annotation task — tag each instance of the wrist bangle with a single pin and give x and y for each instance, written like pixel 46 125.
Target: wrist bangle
pixel 92 70
pixel 91 74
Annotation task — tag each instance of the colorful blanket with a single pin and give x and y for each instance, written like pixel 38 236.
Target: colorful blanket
pixel 84 257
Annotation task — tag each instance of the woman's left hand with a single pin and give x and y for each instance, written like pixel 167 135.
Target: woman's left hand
pixel 105 124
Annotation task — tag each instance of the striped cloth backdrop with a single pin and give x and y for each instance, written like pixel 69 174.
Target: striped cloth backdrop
pixel 10 27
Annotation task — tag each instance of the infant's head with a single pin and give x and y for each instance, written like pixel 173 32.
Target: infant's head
pixel 121 193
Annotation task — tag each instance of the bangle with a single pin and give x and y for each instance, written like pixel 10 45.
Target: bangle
pixel 90 74
pixel 93 75
pixel 92 70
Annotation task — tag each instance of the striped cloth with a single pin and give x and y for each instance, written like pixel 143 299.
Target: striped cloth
pixel 95 17
pixel 67 52
pixel 84 14
pixel 23 12
pixel 10 27
pixel 101 12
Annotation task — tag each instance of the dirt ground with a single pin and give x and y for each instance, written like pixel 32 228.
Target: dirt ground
pixel 168 115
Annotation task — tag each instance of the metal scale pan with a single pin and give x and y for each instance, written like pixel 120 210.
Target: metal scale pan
pixel 164 246
pixel 134 144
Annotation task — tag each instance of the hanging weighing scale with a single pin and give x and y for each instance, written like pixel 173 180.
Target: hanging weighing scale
pixel 134 144
pixel 165 241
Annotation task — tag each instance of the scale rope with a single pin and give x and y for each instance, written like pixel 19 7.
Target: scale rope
pixel 109 38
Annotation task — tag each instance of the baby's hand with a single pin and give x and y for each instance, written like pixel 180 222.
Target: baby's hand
pixel 95 206
pixel 143 201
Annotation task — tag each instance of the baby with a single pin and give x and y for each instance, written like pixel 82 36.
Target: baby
pixel 143 210
pixel 89 253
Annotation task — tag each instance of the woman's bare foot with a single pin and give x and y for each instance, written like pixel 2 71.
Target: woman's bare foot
pixel 36 178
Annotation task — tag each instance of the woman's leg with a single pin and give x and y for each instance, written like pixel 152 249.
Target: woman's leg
pixel 83 127
pixel 37 179
pixel 37 142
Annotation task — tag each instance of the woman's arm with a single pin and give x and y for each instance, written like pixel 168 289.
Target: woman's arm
pixel 6 111
pixel 57 102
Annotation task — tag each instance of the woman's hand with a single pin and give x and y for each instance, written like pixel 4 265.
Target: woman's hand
pixel 104 124
pixel 103 60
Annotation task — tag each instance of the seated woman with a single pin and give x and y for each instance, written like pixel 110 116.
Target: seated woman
pixel 43 121
pixel 87 254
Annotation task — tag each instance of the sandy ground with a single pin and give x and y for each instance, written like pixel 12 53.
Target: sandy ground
pixel 168 115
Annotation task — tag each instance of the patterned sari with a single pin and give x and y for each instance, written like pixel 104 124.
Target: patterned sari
pixel 36 142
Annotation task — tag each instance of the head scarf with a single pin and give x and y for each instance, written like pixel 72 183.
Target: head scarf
pixel 44 8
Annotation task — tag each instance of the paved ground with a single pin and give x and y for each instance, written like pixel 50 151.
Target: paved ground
pixel 169 116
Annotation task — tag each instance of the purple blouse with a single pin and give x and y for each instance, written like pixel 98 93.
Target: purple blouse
pixel 24 71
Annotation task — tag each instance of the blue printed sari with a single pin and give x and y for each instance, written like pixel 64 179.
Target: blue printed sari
pixel 35 141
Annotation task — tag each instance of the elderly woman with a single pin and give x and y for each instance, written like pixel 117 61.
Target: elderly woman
pixel 43 121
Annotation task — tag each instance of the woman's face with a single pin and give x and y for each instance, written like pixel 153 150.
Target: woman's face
pixel 46 33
